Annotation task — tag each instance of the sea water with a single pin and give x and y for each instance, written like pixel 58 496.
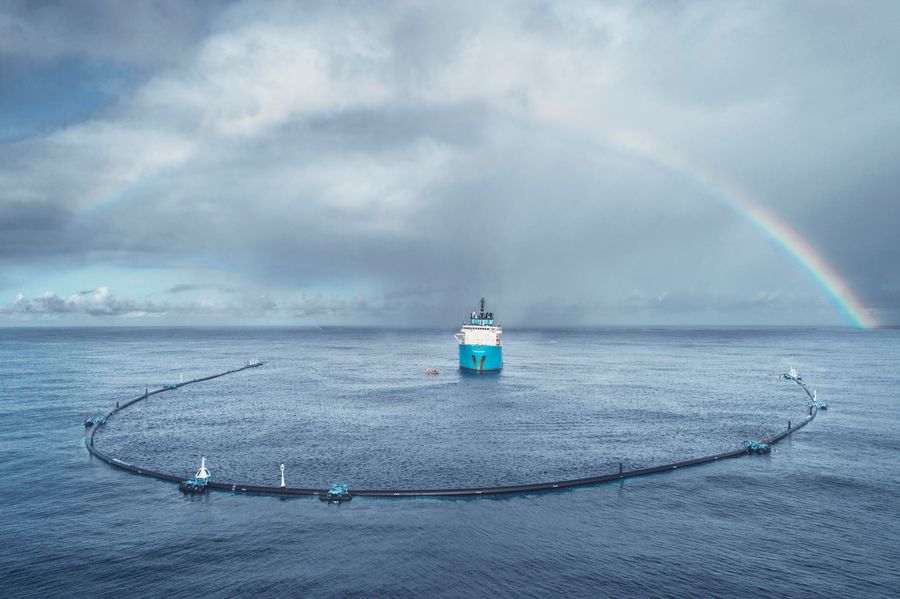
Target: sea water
pixel 818 517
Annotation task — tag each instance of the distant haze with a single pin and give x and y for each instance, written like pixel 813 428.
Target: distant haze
pixel 363 163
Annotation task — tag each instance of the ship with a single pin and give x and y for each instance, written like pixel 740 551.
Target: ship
pixel 480 346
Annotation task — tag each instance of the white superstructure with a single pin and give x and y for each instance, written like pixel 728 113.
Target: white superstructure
pixel 471 334
pixel 481 330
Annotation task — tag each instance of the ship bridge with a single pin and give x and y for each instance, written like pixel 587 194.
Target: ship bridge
pixel 482 317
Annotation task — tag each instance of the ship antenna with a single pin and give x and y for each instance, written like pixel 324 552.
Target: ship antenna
pixel 482 304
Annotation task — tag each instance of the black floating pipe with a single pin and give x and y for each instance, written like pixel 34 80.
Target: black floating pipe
pixel 408 493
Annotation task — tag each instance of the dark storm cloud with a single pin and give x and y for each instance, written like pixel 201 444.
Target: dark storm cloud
pixel 32 230
pixel 147 34
pixel 318 306
pixel 381 159
pixel 183 287
pixel 30 217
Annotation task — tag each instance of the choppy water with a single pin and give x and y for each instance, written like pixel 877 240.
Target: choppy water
pixel 819 517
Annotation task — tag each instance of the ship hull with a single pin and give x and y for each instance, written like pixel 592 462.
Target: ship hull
pixel 480 358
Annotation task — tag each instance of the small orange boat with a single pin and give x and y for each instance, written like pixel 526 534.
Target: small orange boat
pixel 432 371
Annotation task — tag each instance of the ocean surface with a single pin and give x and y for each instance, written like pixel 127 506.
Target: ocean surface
pixel 819 517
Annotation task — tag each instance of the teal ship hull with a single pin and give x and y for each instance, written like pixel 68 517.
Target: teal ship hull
pixel 480 358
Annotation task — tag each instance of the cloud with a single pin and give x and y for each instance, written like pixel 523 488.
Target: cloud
pixel 98 302
pixel 322 151
pixel 104 304
pixel 147 34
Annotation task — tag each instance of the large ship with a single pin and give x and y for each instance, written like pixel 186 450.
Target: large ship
pixel 480 347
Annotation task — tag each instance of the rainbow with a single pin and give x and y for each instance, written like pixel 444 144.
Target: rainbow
pixel 785 238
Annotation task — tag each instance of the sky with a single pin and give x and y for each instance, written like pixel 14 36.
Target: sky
pixel 358 163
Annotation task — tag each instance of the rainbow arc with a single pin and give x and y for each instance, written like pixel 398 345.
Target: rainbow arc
pixel 785 238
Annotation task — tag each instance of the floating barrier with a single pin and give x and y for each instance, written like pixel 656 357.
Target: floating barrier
pixel 757 447
pixel 341 492
pixel 193 485
pixel 815 403
pixel 338 492
pixel 792 375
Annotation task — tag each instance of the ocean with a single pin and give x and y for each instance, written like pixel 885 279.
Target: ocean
pixel 819 517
